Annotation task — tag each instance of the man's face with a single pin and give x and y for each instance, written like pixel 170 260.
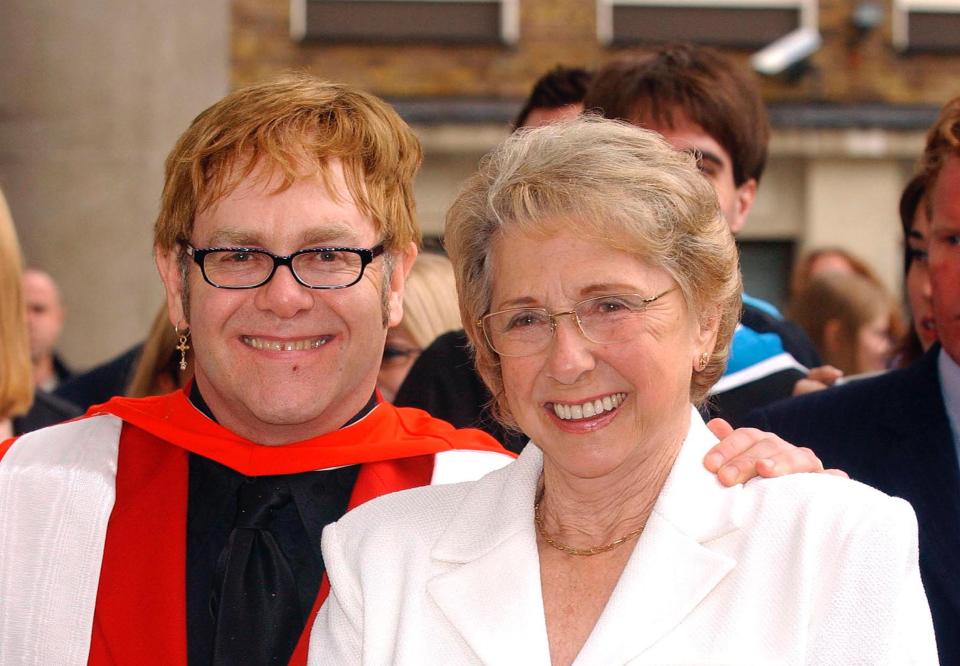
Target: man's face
pixel 44 313
pixel 715 164
pixel 282 362
pixel 944 253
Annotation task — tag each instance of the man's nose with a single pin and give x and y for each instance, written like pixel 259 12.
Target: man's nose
pixel 283 294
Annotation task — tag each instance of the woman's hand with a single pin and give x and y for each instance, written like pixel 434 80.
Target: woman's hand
pixel 818 379
pixel 744 453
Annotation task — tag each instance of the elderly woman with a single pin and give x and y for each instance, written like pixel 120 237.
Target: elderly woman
pixel 600 289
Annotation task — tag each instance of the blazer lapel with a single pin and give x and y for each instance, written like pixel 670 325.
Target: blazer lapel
pixel 929 476
pixel 489 551
pixel 490 592
pixel 672 568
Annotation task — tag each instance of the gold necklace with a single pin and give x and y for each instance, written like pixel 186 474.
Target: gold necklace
pixel 580 552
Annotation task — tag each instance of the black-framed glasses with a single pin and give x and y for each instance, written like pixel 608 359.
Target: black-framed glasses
pixel 316 267
pixel 602 319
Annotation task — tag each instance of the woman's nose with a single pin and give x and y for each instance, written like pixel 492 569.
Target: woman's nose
pixel 570 354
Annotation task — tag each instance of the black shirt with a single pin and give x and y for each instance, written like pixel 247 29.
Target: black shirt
pixel 318 498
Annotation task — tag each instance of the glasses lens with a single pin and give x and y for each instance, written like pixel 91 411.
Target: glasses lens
pixel 609 319
pixel 328 268
pixel 518 332
pixel 233 268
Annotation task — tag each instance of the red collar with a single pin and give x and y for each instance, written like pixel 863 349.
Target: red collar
pixel 385 433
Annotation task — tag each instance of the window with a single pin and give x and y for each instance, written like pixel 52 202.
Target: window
pixel 926 25
pixel 725 23
pixel 452 21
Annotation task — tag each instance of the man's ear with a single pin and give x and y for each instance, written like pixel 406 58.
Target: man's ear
pixel 402 263
pixel 745 196
pixel 168 264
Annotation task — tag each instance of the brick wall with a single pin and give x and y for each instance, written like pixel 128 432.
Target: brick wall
pixel 847 69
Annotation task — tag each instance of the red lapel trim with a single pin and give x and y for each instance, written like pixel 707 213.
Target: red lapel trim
pixel 140 617
pixel 386 433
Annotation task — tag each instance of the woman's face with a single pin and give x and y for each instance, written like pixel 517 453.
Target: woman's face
pixel 643 385
pixel 918 279
pixel 399 354
pixel 874 346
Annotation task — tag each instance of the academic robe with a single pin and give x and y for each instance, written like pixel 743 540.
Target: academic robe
pixel 93 516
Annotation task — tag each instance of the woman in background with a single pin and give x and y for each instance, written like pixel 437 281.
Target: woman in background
pixel 16 382
pixel 850 320
pixel 429 310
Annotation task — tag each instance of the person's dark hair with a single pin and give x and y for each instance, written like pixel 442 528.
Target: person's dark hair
pixel 909 347
pixel 709 89
pixel 559 87
pixel 909 202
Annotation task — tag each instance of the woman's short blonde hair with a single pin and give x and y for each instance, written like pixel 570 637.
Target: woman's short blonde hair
pixel 16 378
pixel 430 300
pixel 612 182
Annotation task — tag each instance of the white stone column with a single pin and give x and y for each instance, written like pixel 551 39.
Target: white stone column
pixel 92 97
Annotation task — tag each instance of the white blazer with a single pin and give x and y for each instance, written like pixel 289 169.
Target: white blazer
pixel 804 569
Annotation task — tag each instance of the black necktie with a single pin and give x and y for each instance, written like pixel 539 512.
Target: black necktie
pixel 255 595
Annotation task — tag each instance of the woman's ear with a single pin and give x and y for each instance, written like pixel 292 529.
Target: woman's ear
pixel 709 329
pixel 833 341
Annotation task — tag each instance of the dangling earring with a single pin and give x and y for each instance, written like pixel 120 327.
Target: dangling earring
pixel 702 361
pixel 182 346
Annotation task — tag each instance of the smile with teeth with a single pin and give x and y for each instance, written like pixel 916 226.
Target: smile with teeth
pixel 590 408
pixel 285 345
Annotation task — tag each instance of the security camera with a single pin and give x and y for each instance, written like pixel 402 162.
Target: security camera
pixel 787 52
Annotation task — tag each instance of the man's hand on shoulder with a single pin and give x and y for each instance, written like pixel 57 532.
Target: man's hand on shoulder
pixel 744 453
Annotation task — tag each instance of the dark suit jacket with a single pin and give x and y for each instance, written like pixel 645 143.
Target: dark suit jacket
pixel 892 432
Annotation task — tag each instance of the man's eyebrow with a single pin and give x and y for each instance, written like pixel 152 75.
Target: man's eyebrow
pixel 335 233
pixel 233 237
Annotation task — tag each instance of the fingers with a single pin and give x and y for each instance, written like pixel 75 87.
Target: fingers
pixel 719 427
pixel 825 374
pixel 837 472
pixel 732 443
pixel 748 452
pixel 804 386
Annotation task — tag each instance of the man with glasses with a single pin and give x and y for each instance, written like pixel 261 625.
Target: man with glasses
pixel 187 527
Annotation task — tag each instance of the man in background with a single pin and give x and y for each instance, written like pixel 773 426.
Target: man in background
pixel 557 95
pixel 45 317
pixel 705 104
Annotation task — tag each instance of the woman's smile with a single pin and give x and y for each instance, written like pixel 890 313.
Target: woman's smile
pixel 587 409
